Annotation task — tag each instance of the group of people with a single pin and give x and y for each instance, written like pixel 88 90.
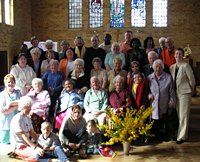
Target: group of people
pixel 70 92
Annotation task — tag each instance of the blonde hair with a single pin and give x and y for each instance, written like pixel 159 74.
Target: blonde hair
pixel 9 76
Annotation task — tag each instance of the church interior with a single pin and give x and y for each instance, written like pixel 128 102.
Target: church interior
pixel 49 20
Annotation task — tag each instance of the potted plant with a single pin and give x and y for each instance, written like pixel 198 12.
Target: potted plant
pixel 128 126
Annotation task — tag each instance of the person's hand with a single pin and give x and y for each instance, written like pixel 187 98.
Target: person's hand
pixel 151 98
pixel 80 91
pixel 72 145
pixel 96 114
pixel 39 151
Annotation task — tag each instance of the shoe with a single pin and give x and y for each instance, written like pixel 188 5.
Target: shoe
pixel 180 141
pixel 82 154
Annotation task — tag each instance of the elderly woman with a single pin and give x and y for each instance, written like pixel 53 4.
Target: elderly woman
pixel 52 78
pixel 67 63
pixel 68 98
pixel 115 52
pixel 95 102
pixel 23 74
pixel 45 63
pixel 35 61
pixel 49 46
pixel 161 95
pixel 184 82
pixel 40 107
pixel 79 76
pixel 9 102
pixel 114 72
pixel 119 99
pixel 21 132
pixel 99 72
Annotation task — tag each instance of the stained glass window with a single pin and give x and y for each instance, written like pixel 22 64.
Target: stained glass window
pixel 138 13
pixel 159 13
pixel 116 13
pixel 96 13
pixel 9 16
pixel 75 13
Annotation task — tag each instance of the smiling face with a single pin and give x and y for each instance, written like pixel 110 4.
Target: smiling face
pixel 37 86
pixel 94 83
pixel 22 61
pixel 70 54
pixel 9 84
pixel 158 69
pixel 137 78
pixel 76 113
pixel 46 130
pixel 178 55
pixel 68 86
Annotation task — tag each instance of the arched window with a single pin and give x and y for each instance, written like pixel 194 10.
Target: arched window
pixel 96 13
pixel 159 13
pixel 9 14
pixel 116 13
pixel 75 13
pixel 138 13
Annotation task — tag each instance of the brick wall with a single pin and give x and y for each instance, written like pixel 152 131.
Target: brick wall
pixel 47 19
pixel 11 37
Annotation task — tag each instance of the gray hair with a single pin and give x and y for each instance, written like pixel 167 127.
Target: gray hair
pixel 49 42
pixel 35 50
pixel 24 103
pixel 153 53
pixel 53 61
pixel 94 77
pixel 158 62
pixel 79 60
pixel 37 80
pixel 161 39
pixel 115 44
pixel 117 78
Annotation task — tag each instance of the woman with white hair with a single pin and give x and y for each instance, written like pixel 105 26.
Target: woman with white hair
pixel 40 107
pixel 35 62
pixel 162 97
pixel 52 78
pixel 115 52
pixel 21 132
pixel 23 74
pixel 79 76
pixel 119 99
pixel 49 46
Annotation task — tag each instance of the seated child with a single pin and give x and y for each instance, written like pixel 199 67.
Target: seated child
pixel 51 145
pixel 94 137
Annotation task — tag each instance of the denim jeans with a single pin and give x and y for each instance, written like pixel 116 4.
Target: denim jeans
pixel 56 153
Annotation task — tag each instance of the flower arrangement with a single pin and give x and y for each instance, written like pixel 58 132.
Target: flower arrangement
pixel 128 126
pixel 187 51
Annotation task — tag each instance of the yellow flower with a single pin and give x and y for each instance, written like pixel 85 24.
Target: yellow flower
pixel 129 126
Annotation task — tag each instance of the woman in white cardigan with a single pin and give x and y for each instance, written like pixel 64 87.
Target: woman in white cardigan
pixel 184 83
pixel 23 74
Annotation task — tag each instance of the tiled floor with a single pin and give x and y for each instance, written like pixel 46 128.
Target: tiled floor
pixel 154 152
